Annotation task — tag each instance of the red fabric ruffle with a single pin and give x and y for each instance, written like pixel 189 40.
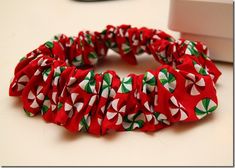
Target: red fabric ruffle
pixel 57 81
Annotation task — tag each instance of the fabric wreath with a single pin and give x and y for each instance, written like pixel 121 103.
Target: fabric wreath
pixel 57 81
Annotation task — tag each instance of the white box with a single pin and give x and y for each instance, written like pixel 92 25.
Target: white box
pixel 209 21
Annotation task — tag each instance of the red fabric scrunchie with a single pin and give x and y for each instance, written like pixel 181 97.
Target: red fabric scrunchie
pixel 57 80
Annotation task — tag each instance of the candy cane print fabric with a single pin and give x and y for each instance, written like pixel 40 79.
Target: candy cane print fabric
pixel 58 81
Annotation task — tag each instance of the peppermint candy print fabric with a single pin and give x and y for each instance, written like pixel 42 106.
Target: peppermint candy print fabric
pixel 57 81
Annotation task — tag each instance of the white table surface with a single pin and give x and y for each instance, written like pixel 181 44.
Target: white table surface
pixel 30 141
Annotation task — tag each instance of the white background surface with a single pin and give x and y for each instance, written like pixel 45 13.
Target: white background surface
pixel 30 141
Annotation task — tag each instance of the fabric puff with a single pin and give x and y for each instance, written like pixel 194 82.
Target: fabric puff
pixel 57 80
